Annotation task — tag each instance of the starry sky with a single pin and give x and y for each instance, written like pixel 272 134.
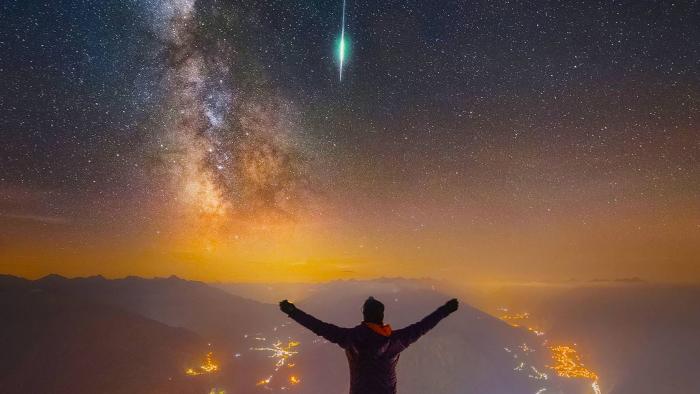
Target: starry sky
pixel 479 141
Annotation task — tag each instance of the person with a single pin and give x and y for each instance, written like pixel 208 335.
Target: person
pixel 372 347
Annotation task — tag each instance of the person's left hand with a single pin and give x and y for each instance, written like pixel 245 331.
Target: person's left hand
pixel 287 307
pixel 452 305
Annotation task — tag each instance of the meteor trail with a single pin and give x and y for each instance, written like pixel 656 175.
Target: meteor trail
pixel 341 45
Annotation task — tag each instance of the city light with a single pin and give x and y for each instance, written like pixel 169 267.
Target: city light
pixel 208 366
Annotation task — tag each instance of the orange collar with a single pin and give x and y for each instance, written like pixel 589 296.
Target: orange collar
pixel 384 330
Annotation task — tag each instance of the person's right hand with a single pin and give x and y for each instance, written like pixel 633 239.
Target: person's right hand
pixel 452 305
pixel 287 307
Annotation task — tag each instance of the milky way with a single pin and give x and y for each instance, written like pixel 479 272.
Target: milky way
pixel 234 157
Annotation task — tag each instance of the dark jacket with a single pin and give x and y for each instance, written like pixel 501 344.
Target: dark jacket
pixel 372 356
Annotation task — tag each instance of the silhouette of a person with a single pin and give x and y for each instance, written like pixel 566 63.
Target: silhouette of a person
pixel 372 347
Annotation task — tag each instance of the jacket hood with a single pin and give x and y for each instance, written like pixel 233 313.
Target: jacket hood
pixel 383 330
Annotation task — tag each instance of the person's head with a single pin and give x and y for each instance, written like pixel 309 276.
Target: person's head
pixel 373 311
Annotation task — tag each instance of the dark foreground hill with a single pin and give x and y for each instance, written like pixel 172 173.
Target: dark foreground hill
pixel 129 335
pixel 51 343
pixel 214 314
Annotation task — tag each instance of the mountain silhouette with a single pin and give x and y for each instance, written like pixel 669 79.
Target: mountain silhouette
pixel 51 343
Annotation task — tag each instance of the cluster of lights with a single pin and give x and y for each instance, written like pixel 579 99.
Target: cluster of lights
pixel 514 319
pixel 517 319
pixel 532 371
pixel 208 366
pixel 282 352
pixel 537 375
pixel 568 364
pixel 567 361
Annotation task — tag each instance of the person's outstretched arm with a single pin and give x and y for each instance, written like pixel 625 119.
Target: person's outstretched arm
pixel 410 334
pixel 329 331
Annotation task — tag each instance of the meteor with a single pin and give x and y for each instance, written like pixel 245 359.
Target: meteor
pixel 341 45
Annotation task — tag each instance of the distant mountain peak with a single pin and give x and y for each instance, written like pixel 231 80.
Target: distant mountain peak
pixel 53 277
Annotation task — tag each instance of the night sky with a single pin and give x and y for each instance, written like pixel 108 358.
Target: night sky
pixel 475 141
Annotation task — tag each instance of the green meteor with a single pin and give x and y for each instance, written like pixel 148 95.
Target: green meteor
pixel 341 45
